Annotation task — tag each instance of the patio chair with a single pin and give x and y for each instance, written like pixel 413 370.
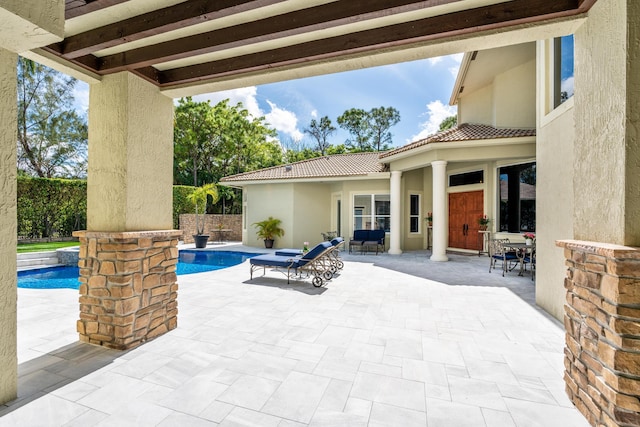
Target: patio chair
pixel 530 258
pixel 498 252
pixel 314 263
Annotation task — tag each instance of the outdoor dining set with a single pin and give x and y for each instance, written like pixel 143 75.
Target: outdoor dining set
pixel 512 255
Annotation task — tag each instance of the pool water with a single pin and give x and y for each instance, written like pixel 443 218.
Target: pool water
pixel 188 262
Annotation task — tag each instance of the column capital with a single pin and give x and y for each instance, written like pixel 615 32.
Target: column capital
pixel 396 173
pixel 439 163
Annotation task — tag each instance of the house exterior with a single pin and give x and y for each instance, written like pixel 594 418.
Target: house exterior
pixel 347 192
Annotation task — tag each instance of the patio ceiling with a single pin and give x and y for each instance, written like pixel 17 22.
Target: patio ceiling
pixel 176 43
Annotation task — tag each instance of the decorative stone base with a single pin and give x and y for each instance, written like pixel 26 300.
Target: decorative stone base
pixel 602 321
pixel 128 286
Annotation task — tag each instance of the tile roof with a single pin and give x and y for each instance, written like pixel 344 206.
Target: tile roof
pixel 337 165
pixel 464 132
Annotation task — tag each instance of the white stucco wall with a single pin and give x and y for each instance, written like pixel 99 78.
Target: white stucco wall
pixel 130 173
pixel 607 114
pixel 263 201
pixel 412 183
pixel 311 213
pixel 477 106
pixel 514 97
pixel 8 227
pixel 554 205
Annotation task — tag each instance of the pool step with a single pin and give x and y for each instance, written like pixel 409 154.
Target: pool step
pixel 34 259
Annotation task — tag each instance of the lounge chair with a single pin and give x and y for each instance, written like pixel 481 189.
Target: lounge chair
pixel 334 254
pixel 314 263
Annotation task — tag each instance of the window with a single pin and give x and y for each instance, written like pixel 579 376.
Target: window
pixel 518 198
pixel 371 212
pixel 476 177
pixel 562 69
pixel 414 213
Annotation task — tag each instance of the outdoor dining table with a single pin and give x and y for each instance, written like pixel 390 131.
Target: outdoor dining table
pixel 521 250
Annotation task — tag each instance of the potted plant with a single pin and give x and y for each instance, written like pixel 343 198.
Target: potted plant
pixel 199 198
pixel 269 229
pixel 429 218
pixel 528 238
pixel 484 222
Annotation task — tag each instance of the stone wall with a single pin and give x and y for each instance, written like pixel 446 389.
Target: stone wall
pixel 128 286
pixel 212 223
pixel 602 321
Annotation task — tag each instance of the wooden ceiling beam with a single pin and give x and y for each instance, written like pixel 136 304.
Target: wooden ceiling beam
pixel 75 8
pixel 320 17
pixel 471 20
pixel 157 22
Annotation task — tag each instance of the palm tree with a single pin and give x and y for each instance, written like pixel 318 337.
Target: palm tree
pixel 199 198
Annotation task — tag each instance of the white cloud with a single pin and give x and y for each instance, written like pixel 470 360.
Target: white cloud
pixel 246 95
pixel 434 61
pixel 284 121
pixel 567 86
pixel 314 113
pixel 436 113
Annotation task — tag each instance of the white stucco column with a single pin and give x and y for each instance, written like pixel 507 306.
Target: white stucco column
pixel 130 174
pixel 26 24
pixel 439 251
pixel 396 212
pixel 8 228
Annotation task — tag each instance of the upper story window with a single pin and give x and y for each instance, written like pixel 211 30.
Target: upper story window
pixel 562 69
pixel 475 177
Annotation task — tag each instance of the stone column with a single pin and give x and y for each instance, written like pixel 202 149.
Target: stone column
pixel 128 291
pixel 396 213
pixel 128 286
pixel 8 228
pixel 602 320
pixel 26 24
pixel 439 245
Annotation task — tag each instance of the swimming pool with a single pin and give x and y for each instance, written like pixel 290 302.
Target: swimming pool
pixel 188 262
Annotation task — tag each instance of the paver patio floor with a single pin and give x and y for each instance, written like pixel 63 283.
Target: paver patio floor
pixel 380 344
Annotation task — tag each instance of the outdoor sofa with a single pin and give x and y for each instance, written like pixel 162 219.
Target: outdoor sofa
pixel 366 239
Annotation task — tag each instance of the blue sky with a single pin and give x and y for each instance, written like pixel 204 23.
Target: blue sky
pixel 420 90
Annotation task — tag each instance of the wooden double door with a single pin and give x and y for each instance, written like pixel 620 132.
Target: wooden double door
pixel 464 211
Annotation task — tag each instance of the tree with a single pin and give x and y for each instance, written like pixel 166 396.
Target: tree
pixel 380 121
pixel 320 131
pixel 192 132
pixel 52 137
pixel 370 129
pixel 448 123
pixel 356 122
pixel 211 142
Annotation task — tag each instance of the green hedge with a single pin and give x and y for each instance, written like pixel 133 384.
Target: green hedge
pixel 180 203
pixel 57 207
pixel 51 207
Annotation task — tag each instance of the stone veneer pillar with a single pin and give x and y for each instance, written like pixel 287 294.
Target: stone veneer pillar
pixel 128 286
pixel 602 320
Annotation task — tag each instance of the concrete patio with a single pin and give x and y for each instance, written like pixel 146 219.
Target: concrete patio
pixel 393 340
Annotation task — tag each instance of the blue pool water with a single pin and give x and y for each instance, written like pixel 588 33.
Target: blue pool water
pixel 188 262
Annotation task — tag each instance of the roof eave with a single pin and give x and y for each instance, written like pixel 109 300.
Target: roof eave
pixel 473 143
pixel 368 176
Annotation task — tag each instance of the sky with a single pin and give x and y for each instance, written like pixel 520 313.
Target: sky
pixel 419 90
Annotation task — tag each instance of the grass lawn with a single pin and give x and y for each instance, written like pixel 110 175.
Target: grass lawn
pixel 44 246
